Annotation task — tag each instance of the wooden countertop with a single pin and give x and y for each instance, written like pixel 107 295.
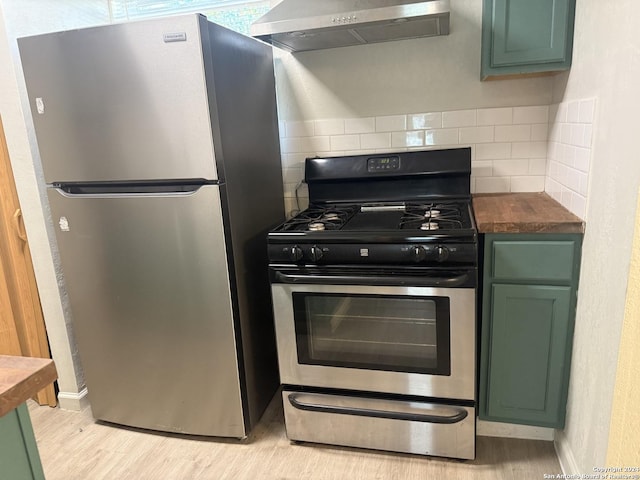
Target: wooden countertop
pixel 21 378
pixel 523 213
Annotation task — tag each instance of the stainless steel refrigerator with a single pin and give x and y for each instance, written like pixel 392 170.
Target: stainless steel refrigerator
pixel 159 145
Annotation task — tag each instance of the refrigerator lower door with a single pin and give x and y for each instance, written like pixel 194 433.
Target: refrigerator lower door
pixel 148 286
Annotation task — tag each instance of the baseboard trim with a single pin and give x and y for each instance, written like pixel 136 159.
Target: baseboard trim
pixel 565 455
pixel 511 430
pixel 73 401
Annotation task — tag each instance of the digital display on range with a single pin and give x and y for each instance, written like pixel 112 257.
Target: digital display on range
pixel 383 164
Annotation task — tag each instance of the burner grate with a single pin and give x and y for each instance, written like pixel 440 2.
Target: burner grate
pixel 432 216
pixel 318 218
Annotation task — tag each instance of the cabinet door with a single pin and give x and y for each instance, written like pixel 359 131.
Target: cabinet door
pixel 19 458
pixel 527 359
pixel 521 36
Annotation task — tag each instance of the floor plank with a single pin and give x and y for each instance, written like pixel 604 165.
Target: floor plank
pixel 74 446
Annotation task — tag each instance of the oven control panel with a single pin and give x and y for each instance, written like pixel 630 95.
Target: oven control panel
pixel 374 254
pixel 383 164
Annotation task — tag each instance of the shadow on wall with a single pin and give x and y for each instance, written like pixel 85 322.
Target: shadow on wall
pixel 418 75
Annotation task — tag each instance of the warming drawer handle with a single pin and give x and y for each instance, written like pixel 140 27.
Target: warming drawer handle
pixel 459 415
pixel 373 280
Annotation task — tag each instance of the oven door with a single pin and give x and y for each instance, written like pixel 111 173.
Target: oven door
pixel 411 340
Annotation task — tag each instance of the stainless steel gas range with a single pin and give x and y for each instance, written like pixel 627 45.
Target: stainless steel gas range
pixel 374 295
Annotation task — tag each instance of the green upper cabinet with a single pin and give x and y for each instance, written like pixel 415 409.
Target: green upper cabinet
pixel 526 36
pixel 528 313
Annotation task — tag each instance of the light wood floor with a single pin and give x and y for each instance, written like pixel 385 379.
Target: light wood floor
pixel 73 446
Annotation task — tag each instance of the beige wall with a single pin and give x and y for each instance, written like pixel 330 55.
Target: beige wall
pixel 411 76
pixel 606 65
pixel 624 435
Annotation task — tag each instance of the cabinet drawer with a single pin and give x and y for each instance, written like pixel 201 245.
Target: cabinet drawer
pixel 539 261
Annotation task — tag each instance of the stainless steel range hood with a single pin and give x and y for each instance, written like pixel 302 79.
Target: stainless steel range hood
pixel 299 25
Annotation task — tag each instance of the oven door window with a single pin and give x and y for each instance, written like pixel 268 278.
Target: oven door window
pixel 399 334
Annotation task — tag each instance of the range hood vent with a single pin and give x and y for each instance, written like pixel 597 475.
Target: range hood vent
pixel 300 25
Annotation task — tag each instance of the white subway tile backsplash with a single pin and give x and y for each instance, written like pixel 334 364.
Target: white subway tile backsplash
pixel 329 127
pixel 588 133
pixel 581 159
pixel 565 133
pixel 577 134
pixel 538 166
pixel 359 125
pixel 528 149
pixel 459 118
pixel 537 114
pixel 569 154
pixel 513 133
pixel 391 123
pixel 507 168
pixel 527 184
pixel 540 132
pixel 563 111
pixel 370 141
pixel 407 139
pixel 493 184
pixel 518 149
pixel 578 206
pixel 420 121
pixel 492 151
pixel 292 175
pixel 482 168
pixel 495 116
pixel 443 136
pixel 345 142
pixel 305 144
pixel 476 135
pixel 300 129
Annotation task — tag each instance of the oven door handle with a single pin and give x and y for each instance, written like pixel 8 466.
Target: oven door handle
pixel 458 414
pixel 414 281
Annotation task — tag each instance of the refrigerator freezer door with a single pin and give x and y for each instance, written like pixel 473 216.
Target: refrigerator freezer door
pixel 121 102
pixel 148 285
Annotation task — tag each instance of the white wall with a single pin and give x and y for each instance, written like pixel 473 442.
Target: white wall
pixel 606 65
pixel 409 76
pixel 20 18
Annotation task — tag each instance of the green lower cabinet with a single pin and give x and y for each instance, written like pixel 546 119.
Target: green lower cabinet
pixel 527 327
pixel 19 458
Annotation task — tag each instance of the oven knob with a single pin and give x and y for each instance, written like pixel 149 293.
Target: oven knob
pixel 418 253
pixel 442 253
pixel 316 253
pixel 295 254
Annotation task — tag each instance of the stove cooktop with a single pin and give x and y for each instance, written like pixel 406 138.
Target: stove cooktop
pixel 428 217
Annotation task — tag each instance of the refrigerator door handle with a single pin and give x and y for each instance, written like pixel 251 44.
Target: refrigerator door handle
pixel 125 191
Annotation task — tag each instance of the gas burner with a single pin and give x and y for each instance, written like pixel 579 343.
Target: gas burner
pixel 316 226
pixel 433 216
pixel 317 218
pixel 430 226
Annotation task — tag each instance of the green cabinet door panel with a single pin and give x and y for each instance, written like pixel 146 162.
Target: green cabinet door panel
pixel 529 294
pixel 19 458
pixel 535 260
pixel 530 325
pixel 526 36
